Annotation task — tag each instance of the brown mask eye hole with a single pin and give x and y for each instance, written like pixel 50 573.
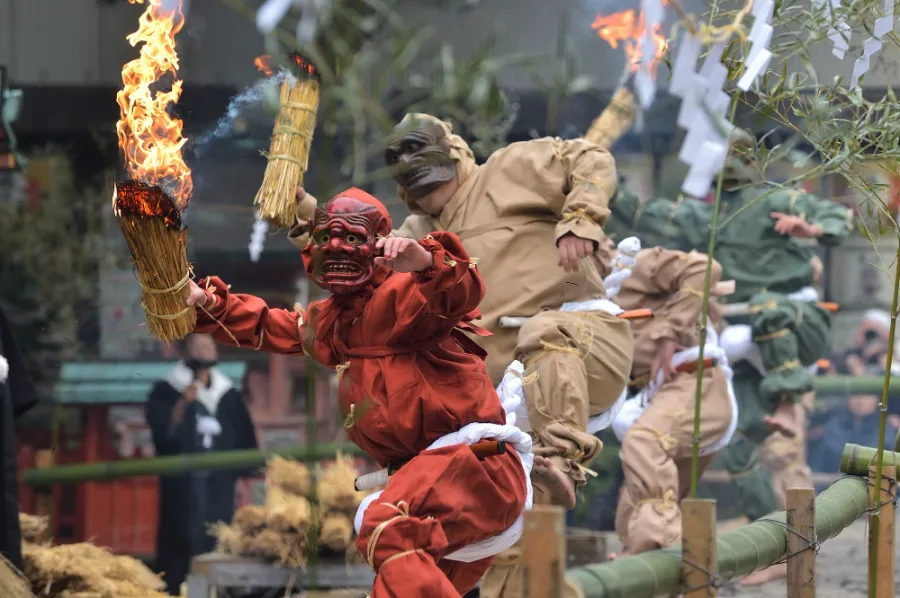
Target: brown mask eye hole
pixel 352 240
pixel 324 238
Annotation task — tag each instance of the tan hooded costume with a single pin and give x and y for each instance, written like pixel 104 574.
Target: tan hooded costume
pixel 656 448
pixel 510 213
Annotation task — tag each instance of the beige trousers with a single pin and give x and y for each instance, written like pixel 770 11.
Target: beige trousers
pixel 785 458
pixel 576 366
pixel 656 458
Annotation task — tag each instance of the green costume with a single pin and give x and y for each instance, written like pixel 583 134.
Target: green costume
pixel 766 267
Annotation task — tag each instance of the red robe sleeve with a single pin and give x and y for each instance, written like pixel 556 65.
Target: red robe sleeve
pixel 246 321
pixel 452 286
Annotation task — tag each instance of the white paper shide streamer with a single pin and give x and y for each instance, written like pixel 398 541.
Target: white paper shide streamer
pixel 272 12
pixel 703 112
pixel 883 26
pixel 645 78
pixel 760 38
pixel 839 34
pixel 258 238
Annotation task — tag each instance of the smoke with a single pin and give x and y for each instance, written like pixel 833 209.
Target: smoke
pixel 241 108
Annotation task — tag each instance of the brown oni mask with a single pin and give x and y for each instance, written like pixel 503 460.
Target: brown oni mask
pixel 418 156
pixel 340 255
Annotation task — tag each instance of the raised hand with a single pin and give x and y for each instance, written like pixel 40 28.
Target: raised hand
pixel 795 226
pixel 402 255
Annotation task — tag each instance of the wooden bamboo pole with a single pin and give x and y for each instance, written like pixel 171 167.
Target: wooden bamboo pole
pixel 698 547
pixel 801 536
pixel 881 531
pixel 544 552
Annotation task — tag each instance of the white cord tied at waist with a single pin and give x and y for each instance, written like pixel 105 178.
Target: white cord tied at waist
pixel 634 407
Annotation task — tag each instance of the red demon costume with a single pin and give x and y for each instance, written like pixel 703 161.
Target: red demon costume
pixel 414 390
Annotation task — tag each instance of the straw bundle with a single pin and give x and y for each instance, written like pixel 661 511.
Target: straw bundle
pixel 336 532
pixel 152 227
pixel 288 475
pixel 33 527
pixel 84 569
pixel 335 489
pixel 287 512
pixel 249 519
pixel 287 550
pixel 229 539
pixel 288 154
pixel 615 120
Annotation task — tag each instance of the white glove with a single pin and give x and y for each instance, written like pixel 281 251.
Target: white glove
pixel 208 427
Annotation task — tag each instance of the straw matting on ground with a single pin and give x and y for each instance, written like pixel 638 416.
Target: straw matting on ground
pixel 151 225
pixel 12 583
pixel 82 570
pixel 289 150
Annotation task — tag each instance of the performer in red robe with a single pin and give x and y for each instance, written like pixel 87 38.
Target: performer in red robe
pixel 413 388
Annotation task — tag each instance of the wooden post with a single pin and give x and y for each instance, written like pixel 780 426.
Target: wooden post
pixel 801 532
pixel 544 552
pixel 698 547
pixel 884 581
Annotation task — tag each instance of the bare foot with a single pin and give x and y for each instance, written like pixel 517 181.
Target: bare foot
pixel 757 578
pixel 547 477
pixel 777 423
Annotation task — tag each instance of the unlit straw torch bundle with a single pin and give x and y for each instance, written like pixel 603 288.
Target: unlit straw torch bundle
pixel 292 136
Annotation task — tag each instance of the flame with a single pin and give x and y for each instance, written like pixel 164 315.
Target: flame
pixel 304 66
pixel 149 137
pixel 264 64
pixel 625 27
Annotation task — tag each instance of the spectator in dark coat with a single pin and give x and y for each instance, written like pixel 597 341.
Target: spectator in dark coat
pixel 17 395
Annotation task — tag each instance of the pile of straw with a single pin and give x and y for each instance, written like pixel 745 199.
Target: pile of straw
pixel 288 154
pixel 34 527
pixel 84 570
pixel 151 224
pixel 338 501
pixel 281 531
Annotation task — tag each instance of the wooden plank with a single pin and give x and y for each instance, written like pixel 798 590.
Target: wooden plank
pixel 223 572
pixel 698 547
pixel 544 552
pixel 800 535
pixel 884 580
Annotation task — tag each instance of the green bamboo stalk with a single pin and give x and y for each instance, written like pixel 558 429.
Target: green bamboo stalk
pixel 882 426
pixel 857 459
pixel 178 464
pixel 849 385
pixel 761 544
pixel 704 315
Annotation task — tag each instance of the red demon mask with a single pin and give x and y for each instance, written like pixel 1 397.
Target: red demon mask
pixel 340 255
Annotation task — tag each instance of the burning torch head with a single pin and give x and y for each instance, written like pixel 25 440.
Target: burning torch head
pixel 340 254
pixel 418 156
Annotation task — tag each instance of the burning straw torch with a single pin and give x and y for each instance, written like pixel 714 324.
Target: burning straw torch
pixel 288 153
pixel 148 205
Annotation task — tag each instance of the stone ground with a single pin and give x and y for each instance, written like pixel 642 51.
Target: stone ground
pixel 840 569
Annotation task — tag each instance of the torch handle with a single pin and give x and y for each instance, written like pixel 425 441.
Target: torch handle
pixel 488 448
